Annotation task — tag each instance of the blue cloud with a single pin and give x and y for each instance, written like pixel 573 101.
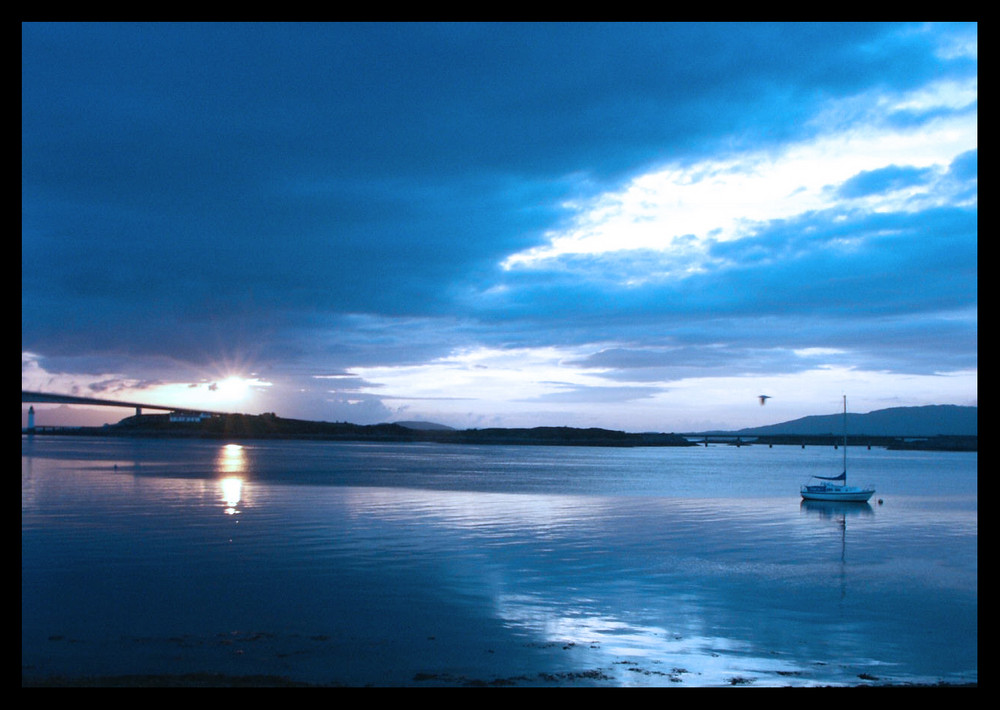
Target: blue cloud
pixel 966 166
pixel 886 179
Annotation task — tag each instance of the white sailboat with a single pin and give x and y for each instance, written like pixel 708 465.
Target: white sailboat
pixel 835 488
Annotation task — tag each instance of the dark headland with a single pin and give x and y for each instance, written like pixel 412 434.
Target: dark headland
pixel 271 426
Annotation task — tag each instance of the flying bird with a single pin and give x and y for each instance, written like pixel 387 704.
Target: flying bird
pixel 763 398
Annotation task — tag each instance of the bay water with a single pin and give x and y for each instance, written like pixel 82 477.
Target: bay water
pixel 358 564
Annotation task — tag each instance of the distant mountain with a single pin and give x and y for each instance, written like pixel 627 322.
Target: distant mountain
pixel 932 420
pixel 424 426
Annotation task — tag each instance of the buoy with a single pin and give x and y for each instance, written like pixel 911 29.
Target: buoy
pixel 880 501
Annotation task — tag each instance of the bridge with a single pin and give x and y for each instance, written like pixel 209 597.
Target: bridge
pixel 47 398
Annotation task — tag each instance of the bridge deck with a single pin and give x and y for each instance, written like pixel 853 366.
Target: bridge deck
pixel 46 398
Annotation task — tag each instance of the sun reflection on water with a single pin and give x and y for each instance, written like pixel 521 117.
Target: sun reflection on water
pixel 232 488
pixel 231 462
pixel 232 459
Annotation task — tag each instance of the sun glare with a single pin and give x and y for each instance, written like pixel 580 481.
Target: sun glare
pixel 232 388
pixel 228 393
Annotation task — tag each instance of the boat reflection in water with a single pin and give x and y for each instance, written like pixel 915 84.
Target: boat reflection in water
pixel 834 510
pixel 838 513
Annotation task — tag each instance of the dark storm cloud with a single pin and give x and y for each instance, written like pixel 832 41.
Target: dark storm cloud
pixel 308 197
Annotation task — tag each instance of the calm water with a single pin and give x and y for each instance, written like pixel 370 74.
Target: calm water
pixel 429 564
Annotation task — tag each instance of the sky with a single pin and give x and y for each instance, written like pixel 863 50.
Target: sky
pixel 640 227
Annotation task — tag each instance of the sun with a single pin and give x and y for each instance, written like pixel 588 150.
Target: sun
pixel 231 389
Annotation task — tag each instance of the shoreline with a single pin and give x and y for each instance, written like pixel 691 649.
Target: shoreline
pixel 538 436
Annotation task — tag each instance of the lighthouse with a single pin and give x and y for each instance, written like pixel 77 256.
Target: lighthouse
pixel 31 418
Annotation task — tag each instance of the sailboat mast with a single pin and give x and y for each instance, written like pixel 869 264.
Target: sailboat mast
pixel 845 439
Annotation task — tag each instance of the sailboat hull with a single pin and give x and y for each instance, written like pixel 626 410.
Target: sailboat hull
pixel 842 494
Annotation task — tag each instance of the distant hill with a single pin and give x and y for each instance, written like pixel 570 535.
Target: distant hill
pixel 932 420
pixel 425 426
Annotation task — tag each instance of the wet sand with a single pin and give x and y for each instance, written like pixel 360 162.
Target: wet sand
pixel 209 680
